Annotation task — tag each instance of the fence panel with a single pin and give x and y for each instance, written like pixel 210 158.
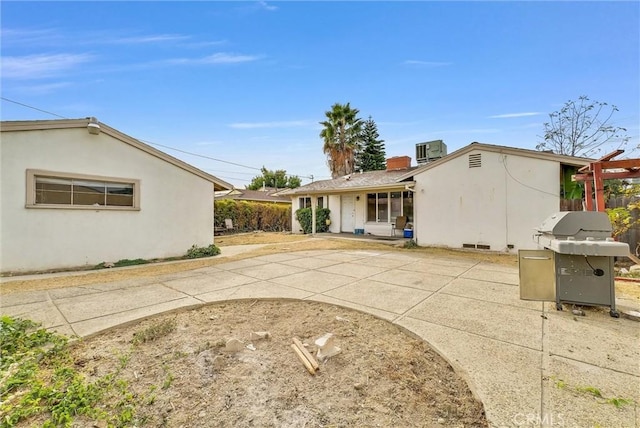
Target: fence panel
pixel 632 236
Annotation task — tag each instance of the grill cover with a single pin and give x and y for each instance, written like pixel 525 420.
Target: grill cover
pixel 577 224
pixel 585 233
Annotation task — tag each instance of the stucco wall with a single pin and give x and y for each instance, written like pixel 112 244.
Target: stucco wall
pixel 176 207
pixel 498 204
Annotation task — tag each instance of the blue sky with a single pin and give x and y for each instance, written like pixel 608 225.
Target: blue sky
pixel 248 82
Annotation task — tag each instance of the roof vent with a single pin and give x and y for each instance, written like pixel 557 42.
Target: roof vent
pixel 475 160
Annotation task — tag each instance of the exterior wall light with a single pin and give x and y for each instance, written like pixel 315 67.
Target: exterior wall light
pixel 93 126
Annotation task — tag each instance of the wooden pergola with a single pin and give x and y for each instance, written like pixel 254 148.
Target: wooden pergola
pixel 605 168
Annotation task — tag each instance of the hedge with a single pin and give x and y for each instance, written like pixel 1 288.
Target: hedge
pixel 251 216
pixel 303 215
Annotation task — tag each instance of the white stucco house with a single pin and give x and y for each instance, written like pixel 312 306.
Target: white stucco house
pixel 363 202
pixel 78 192
pixel 481 196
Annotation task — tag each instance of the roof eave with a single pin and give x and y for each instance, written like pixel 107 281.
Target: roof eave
pixel 395 185
pixel 567 160
pixel 39 125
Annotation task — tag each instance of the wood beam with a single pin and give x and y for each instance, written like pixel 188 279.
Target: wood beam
pixel 609 175
pixel 588 200
pixel 611 155
pixel 599 185
pixel 623 163
pixel 603 159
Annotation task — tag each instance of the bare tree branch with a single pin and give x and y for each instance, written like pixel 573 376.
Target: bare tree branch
pixel 580 128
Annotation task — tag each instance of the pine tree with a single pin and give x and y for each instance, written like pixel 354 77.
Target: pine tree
pixel 371 156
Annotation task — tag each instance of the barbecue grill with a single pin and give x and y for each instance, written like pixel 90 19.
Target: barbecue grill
pixel 575 262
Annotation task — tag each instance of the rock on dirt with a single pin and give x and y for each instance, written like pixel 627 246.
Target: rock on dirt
pixel 382 377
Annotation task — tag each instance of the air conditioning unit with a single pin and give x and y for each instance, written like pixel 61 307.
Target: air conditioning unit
pixel 430 151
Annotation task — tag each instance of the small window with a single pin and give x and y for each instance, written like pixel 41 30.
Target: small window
pixel 48 189
pixel 383 207
pixel 305 202
pixel 396 205
pixel 407 205
pixel 371 207
pixel 475 160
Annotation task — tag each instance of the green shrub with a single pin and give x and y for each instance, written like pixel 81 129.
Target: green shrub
pixel 303 215
pixel 196 252
pixel 154 332
pixel 123 262
pixel 251 216
pixel 40 380
pixel 410 244
pixel 130 262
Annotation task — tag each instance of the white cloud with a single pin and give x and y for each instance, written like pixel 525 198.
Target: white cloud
pixel 218 58
pixel 276 124
pixel 41 89
pixel 196 45
pixel 227 58
pixel 266 6
pixel 469 131
pixel 158 38
pixel 510 115
pixel 26 36
pixel 428 64
pixel 41 65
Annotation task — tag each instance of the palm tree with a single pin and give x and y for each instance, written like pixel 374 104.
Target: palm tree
pixel 341 135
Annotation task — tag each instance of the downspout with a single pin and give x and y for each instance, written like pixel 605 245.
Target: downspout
pixel 506 203
pixel 411 188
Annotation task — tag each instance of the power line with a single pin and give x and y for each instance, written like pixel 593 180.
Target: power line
pixel 214 159
pixel 201 156
pixel 155 144
pixel 148 142
pixel 232 178
pixel 228 172
pixel 34 108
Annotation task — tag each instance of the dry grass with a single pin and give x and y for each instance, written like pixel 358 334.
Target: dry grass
pixel 258 238
pixel 629 289
pixel 273 243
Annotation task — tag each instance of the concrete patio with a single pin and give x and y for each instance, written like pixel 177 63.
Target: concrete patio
pixel 529 364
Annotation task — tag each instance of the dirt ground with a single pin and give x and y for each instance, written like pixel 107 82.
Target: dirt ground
pixel 183 376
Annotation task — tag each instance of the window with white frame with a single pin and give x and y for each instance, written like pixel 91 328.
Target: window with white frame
pixel 306 202
pixel 386 206
pixel 48 189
